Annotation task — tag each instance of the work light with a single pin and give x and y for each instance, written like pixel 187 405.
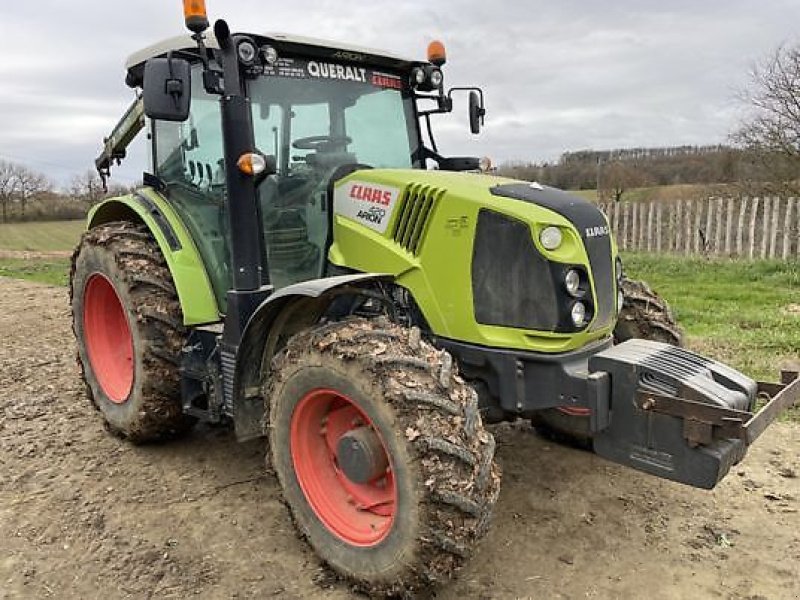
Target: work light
pixel 572 281
pixel 578 314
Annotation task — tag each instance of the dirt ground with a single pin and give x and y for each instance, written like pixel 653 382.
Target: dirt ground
pixel 83 515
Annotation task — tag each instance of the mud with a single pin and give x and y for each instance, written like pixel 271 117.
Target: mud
pixel 83 515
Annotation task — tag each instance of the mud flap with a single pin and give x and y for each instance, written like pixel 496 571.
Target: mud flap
pixel 676 414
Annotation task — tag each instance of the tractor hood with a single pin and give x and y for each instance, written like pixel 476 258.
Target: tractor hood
pixel 469 248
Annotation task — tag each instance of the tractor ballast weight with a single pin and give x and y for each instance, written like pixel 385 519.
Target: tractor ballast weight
pixel 292 268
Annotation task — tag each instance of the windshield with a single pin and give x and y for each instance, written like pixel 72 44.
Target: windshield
pixel 312 118
pixel 312 115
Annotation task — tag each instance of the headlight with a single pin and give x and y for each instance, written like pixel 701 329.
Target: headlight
pixel 550 238
pixel 572 281
pixel 270 55
pixel 578 314
pixel 436 78
pixel 417 77
pixel 619 269
pixel 247 53
pixel 620 301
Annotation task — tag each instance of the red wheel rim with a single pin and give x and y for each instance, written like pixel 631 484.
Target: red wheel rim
pixel 575 411
pixel 359 514
pixel 108 338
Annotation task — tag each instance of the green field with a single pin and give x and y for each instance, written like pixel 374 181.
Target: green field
pixel 41 237
pixel 746 314
pixel 743 313
pixel 54 271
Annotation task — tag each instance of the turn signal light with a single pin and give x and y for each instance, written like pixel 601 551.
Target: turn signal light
pixel 436 53
pixel 196 16
pixel 251 163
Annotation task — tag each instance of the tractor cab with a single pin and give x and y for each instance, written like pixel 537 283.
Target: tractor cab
pixel 315 112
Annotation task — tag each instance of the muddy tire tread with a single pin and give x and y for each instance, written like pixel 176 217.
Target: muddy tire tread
pixel 160 319
pixel 459 479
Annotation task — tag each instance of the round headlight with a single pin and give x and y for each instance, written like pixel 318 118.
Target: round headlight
pixel 247 53
pixel 436 78
pixel 619 268
pixel 620 301
pixel 417 76
pixel 270 55
pixel 550 238
pixel 578 314
pixel 572 281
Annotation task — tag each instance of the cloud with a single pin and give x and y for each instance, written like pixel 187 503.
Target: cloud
pixel 558 76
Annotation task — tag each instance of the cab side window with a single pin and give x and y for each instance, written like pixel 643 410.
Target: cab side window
pixel 188 157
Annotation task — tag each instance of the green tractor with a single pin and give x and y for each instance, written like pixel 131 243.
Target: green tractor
pixel 291 268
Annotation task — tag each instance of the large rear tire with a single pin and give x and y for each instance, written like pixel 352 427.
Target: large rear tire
pixel 129 328
pixel 413 511
pixel 644 315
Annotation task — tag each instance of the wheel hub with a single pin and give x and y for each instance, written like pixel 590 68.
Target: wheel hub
pixel 343 468
pixel 361 456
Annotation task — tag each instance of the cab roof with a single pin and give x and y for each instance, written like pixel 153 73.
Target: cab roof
pixel 282 42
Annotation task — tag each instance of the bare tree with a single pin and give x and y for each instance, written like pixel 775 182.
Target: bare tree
pixel 9 184
pixel 87 187
pixel 29 185
pixel 771 132
pixel 615 178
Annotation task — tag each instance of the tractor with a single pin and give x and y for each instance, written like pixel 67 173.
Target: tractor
pixel 302 265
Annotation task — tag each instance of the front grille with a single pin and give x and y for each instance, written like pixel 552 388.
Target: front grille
pixel 512 283
pixel 416 207
pixel 601 262
pixel 588 220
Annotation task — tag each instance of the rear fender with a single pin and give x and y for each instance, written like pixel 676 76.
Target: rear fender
pixel 284 313
pixel 147 206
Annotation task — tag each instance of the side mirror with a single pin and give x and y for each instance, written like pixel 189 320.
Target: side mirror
pixel 476 112
pixel 167 89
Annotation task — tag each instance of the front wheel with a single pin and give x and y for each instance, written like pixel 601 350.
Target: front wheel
pixel 381 453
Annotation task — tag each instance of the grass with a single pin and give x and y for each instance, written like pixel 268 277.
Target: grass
pixel 53 271
pixel 46 236
pixel 746 314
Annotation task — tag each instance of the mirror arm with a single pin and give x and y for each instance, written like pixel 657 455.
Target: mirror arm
pixel 430 133
pixel 174 86
pixel 212 79
pixel 481 109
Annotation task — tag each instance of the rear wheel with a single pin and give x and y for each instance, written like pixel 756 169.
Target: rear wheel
pixel 644 315
pixel 129 327
pixel 381 453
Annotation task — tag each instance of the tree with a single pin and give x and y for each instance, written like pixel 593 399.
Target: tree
pixel 8 186
pixel 87 187
pixel 29 185
pixel 615 178
pixel 771 132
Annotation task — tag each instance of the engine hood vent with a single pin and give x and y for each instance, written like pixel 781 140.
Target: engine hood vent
pixel 417 205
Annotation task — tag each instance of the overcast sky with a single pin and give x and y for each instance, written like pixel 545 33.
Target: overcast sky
pixel 558 76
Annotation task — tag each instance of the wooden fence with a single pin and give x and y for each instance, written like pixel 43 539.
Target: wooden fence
pixel 737 227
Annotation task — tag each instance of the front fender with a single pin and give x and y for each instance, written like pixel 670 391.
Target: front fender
pixel 147 206
pixel 248 404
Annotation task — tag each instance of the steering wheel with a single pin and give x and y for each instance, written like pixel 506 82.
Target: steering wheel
pixel 321 143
